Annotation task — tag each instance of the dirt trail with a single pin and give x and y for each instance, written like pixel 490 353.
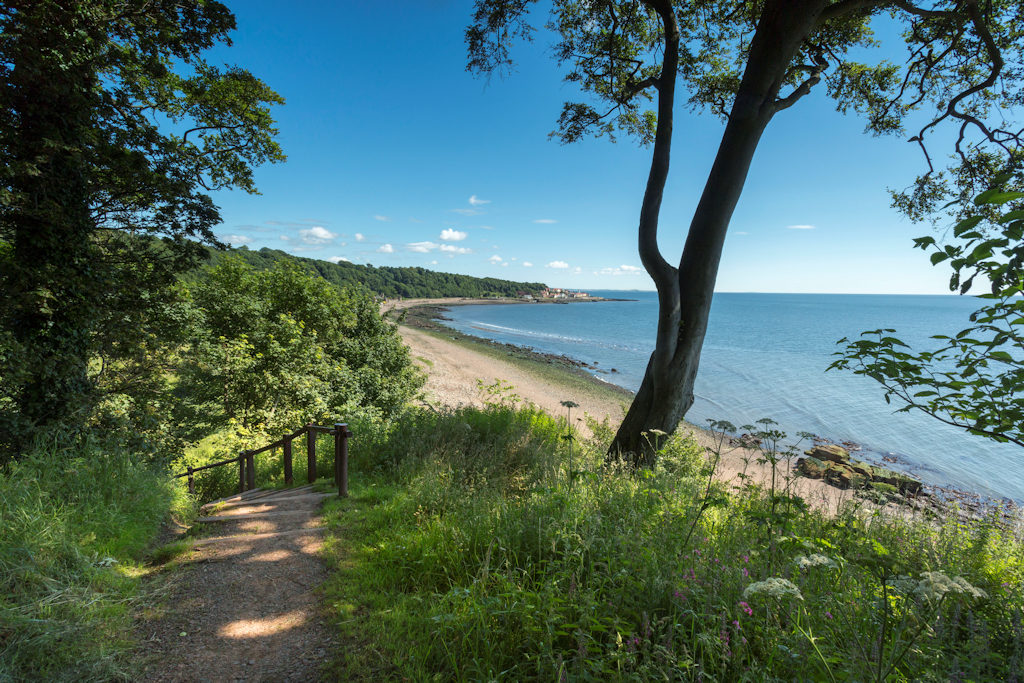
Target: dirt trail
pixel 242 605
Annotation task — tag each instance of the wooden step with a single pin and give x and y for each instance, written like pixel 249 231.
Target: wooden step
pixel 255 494
pixel 309 497
pixel 227 499
pixel 244 538
pixel 257 515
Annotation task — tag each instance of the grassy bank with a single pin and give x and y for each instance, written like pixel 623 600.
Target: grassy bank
pixel 75 523
pixel 472 548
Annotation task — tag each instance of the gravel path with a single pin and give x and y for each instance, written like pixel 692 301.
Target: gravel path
pixel 242 605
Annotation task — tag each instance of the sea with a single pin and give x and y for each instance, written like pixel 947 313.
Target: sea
pixel 765 355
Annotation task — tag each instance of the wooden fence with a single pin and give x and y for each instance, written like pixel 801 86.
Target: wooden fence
pixel 247 459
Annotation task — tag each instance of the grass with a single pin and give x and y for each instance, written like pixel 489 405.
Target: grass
pixel 469 550
pixel 75 523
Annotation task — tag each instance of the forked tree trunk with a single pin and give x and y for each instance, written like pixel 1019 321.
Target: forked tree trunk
pixel 684 294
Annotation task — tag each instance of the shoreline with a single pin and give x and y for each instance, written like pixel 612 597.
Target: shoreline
pixel 426 316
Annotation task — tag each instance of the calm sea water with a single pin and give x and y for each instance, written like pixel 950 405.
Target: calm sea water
pixel 765 356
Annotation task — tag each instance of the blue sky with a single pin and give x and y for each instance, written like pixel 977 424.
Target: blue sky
pixel 397 156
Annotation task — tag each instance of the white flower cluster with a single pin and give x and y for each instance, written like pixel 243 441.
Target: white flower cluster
pixel 934 585
pixel 773 587
pixel 815 560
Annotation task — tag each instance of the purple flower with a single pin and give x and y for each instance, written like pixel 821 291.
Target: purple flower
pixel 745 572
pixel 746 608
pixel 828 615
pixel 736 624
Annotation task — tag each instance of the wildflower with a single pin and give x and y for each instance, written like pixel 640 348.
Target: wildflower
pixel 736 624
pixel 746 558
pixel 935 585
pixel 815 560
pixel 828 615
pixel 745 572
pixel 773 587
pixel 746 608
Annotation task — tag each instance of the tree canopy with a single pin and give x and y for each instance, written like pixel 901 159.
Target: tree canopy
pixel 407 282
pixel 112 126
pixel 273 349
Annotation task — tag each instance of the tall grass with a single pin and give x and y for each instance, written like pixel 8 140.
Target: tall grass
pixel 470 551
pixel 74 521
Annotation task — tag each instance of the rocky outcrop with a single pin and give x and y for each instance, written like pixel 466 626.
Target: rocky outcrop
pixel 833 464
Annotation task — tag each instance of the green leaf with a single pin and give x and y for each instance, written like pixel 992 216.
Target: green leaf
pixel 965 225
pixel 997 197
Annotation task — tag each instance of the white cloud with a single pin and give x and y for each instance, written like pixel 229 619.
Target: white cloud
pixel 450 235
pixel 558 264
pixel 237 239
pixel 495 259
pixel 386 249
pixel 421 247
pixel 545 221
pixel 577 270
pixel 527 264
pixel 434 262
pixel 621 270
pixel 800 227
pixel 475 201
pixel 742 232
pixel 467 212
pixel 382 219
pixel 452 249
pixel 285 238
pixel 505 264
pixel 316 235
pixel 486 227
pixel 336 259
pixel 359 237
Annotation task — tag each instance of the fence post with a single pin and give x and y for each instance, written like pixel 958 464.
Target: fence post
pixel 241 473
pixel 310 453
pixel 191 482
pixel 341 435
pixel 287 448
pixel 250 470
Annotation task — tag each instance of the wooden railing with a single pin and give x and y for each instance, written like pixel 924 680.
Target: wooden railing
pixel 247 459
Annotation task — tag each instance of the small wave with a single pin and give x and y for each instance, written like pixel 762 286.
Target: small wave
pixel 498 330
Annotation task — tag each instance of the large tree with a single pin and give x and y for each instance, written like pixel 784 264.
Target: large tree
pixel 112 131
pixel 746 62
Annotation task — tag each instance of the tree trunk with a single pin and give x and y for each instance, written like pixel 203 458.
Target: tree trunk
pixel 684 295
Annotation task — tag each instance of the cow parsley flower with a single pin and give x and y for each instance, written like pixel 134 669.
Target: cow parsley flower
pixel 804 563
pixel 935 585
pixel 773 587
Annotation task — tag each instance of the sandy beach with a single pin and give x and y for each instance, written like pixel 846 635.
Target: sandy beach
pixel 455 369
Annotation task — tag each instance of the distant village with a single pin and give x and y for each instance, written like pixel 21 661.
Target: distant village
pixel 556 293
